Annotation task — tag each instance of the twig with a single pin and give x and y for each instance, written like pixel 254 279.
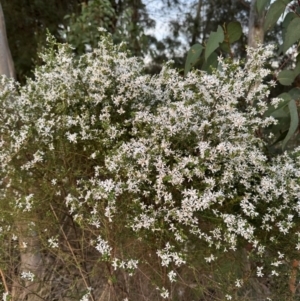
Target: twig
pixel 3 280
pixel 70 247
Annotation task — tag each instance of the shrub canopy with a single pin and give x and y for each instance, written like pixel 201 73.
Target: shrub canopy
pixel 173 162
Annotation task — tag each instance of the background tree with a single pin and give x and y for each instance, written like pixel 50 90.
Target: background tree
pixel 126 20
pixel 74 21
pixel 27 23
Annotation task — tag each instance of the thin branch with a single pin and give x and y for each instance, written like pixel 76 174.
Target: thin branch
pixel 4 281
pixel 72 252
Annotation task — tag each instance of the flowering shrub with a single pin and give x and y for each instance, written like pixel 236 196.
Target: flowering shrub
pixel 177 165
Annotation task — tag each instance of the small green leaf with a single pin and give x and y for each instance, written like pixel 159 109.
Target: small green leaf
pixel 286 97
pixel 272 111
pixel 234 31
pixel 225 47
pixel 295 93
pixel 297 70
pixel 280 113
pixel 281 137
pixel 282 125
pixel 276 9
pixel 287 20
pixel 192 57
pixel 215 38
pixel 261 5
pixel 286 77
pixel 292 34
pixel 294 122
pixel 210 63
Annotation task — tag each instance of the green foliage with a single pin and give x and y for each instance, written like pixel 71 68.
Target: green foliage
pixel 127 22
pixel 233 32
pixel 76 22
pixel 192 57
pixel 217 40
pixel 27 23
pixel 83 30
pixel 292 34
pixel 294 121
pixel 275 111
pixel 261 5
pixel 213 42
pixel 286 113
pixel 295 93
pixel 286 77
pixel 288 18
pixel 274 12
pixel 211 63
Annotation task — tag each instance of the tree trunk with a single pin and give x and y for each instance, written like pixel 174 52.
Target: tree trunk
pixel 30 256
pixel 6 62
pixel 196 30
pixel 256 26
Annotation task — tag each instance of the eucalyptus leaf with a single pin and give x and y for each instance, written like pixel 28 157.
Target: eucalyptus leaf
pixel 215 38
pixel 210 63
pixel 225 47
pixel 297 69
pixel 261 5
pixel 281 137
pixel 276 9
pixel 282 126
pixel 295 93
pixel 287 20
pixel 294 122
pixel 286 98
pixel 280 113
pixel 192 57
pixel 292 34
pixel 234 31
pixel 286 77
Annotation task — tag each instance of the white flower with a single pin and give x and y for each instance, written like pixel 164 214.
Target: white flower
pixel 210 258
pixel 53 242
pixel 172 276
pixel 280 255
pixel 239 283
pixel 85 297
pixel 5 296
pixel 27 276
pixel 103 246
pixel 274 273
pixel 72 137
pixel 164 293
pixel 167 256
pixel 259 272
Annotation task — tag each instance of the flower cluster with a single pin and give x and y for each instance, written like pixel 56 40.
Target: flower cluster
pixel 27 276
pixel 174 157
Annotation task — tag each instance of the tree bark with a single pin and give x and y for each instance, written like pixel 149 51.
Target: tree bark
pixel 29 243
pixel 256 26
pixel 6 62
pixel 196 30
